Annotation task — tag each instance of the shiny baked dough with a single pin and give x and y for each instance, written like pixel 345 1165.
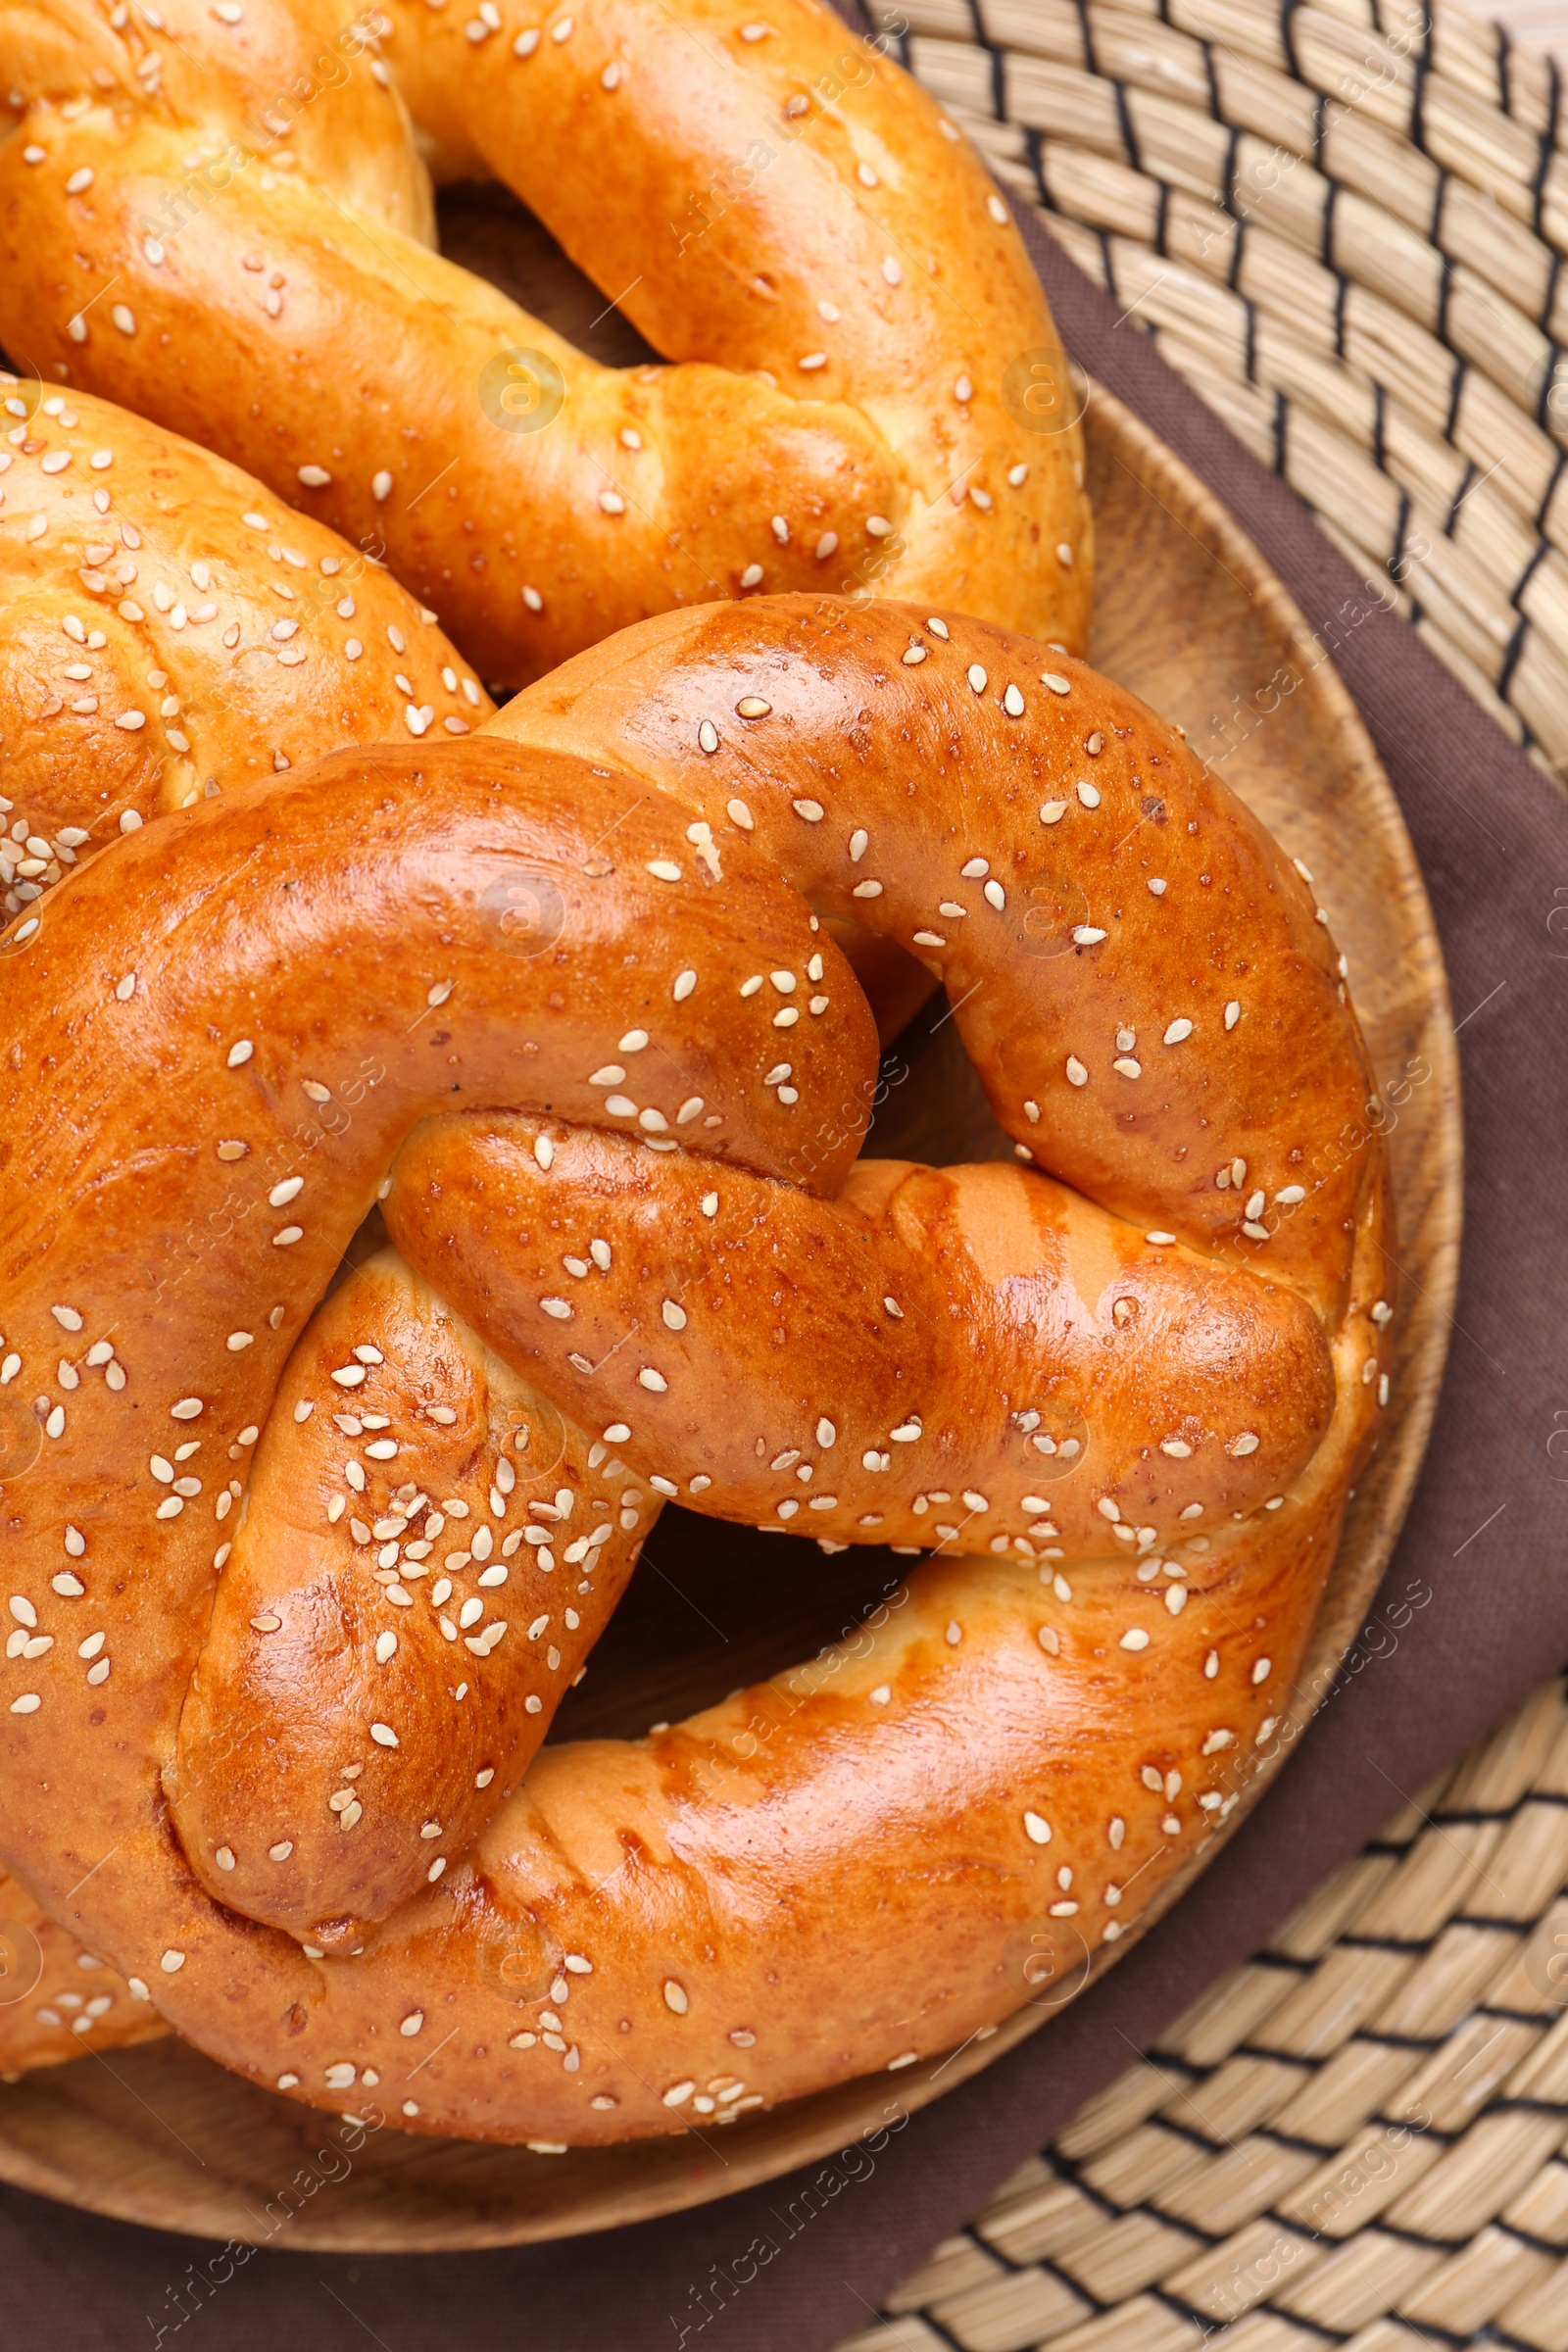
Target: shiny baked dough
pixel 562 1005
pixel 171 631
pixel 224 222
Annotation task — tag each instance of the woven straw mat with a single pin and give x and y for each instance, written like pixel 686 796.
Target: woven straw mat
pixel 1345 222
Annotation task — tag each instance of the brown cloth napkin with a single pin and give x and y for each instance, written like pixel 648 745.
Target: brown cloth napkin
pixel 801 2264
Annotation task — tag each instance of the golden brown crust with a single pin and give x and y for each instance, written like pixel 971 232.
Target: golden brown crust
pixel 572 941
pixel 904 768
pixel 57 1998
pixel 173 632
pixel 850 313
pixel 287 1808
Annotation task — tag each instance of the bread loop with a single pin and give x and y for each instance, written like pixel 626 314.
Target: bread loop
pixel 535 996
pixel 224 221
pixel 172 630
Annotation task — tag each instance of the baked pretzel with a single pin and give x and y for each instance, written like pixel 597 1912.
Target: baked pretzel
pixel 171 631
pixel 221 216
pixel 566 1015
pixel 56 1998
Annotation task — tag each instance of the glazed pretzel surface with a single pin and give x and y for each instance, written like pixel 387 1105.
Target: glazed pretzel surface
pixel 171 629
pixel 224 220
pixel 535 996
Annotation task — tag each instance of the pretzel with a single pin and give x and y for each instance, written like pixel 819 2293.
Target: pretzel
pixel 533 996
pixel 170 631
pixel 222 219
pixel 57 1998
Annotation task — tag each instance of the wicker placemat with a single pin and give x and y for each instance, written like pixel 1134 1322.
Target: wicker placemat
pixel 1345 222
pixel 1359 2136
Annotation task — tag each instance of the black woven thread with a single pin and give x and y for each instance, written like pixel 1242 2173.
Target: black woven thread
pixel 1396 556
pixel 1087 31
pixel 999 77
pixel 1516 641
pixel 1504 56
pixel 1551 491
pixel 1124 116
pixel 1547 149
pixel 1419 129
pixel 1233 274
pixel 1379 403
pixel 1461 370
pixel 1034 146
pixel 1229 195
pixel 1288 37
pixel 1208 67
pixel 1434 232
pixel 1445 289
pixel 1324 252
pixel 1510 658
pixel 1281 420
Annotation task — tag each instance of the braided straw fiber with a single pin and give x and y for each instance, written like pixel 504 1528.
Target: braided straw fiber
pixel 1345 222
pixel 1357 2136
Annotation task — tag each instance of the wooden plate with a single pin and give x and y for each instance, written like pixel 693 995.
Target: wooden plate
pixel 1190 617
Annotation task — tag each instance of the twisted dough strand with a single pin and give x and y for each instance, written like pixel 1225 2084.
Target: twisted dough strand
pixel 172 631
pixel 226 225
